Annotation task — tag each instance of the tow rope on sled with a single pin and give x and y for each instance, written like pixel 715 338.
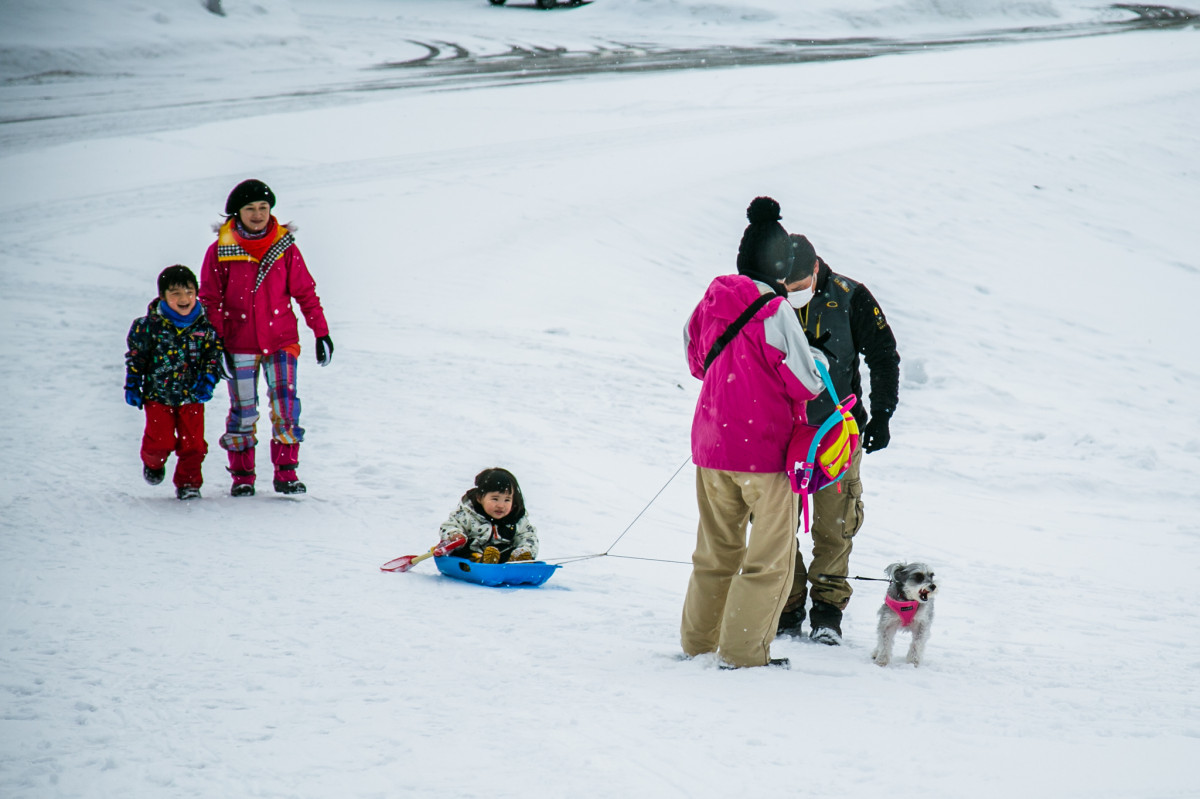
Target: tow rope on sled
pixel 628 527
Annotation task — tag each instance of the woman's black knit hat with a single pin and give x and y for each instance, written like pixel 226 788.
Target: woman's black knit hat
pixel 765 252
pixel 246 192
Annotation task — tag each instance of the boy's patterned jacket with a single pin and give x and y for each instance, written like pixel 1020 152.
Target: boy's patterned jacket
pixel 169 361
pixel 482 531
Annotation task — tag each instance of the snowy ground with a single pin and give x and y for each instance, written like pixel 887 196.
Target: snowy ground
pixel 506 267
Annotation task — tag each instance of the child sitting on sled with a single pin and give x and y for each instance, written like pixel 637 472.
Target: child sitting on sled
pixel 492 517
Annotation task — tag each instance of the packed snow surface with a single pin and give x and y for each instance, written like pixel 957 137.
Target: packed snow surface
pixel 507 263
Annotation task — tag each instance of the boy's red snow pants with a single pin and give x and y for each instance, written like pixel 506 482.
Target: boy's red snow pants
pixel 179 430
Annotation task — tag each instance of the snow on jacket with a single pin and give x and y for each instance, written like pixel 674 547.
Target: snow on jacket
pixel 755 391
pixel 250 302
pixel 483 531
pixel 170 360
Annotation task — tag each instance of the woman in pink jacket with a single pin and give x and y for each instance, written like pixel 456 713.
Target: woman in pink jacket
pixel 755 387
pixel 250 277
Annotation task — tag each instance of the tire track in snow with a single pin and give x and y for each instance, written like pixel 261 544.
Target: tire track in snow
pixel 144 104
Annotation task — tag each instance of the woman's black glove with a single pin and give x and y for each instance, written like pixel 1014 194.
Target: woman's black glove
pixel 324 357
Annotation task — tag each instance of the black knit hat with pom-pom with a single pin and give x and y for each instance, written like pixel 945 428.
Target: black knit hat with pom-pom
pixel 765 252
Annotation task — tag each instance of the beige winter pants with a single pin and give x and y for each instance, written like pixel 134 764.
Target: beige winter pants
pixel 837 516
pixel 738 587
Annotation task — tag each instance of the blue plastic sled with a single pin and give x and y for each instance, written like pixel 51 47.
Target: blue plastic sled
pixel 530 572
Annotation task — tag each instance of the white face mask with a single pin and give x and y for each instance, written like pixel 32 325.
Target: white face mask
pixel 798 299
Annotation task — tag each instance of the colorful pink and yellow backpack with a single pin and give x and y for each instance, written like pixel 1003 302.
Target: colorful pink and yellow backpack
pixel 820 455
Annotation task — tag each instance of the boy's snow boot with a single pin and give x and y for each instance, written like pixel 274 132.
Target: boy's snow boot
pixel 187 492
pixel 286 458
pixel 154 476
pixel 241 466
pixel 826 621
pixel 790 620
pixel 521 557
pixel 490 555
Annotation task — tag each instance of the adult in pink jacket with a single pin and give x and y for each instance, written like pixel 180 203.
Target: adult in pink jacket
pixel 754 393
pixel 250 277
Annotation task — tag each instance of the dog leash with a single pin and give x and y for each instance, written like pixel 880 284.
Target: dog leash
pixel 840 577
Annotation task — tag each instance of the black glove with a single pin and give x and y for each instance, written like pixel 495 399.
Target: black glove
pixel 133 391
pixel 204 387
pixel 876 434
pixel 324 357
pixel 818 343
pixel 230 373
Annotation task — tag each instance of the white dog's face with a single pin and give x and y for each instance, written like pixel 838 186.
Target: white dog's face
pixel 913 581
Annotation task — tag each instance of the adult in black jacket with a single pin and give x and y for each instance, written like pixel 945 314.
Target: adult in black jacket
pixel 844 320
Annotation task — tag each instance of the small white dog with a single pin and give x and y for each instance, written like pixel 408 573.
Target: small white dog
pixel 908 605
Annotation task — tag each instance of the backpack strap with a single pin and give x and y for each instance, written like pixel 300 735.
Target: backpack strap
pixel 828 381
pixel 735 328
pixel 848 442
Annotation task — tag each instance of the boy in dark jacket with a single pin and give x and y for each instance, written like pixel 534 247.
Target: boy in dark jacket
pixel 173 363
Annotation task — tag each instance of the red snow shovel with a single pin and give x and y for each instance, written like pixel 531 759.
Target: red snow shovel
pixel 405 563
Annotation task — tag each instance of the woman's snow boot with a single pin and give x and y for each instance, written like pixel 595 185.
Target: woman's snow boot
pixel 286 458
pixel 241 466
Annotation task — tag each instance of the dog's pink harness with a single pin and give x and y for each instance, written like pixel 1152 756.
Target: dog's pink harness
pixel 907 611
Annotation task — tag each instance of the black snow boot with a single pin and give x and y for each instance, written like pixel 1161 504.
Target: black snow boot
pixel 153 476
pixel 790 620
pixel 826 622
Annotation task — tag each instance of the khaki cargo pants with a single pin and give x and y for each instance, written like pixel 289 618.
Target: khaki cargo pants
pixel 738 587
pixel 836 519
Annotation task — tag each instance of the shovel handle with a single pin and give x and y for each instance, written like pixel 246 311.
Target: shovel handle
pixel 403 564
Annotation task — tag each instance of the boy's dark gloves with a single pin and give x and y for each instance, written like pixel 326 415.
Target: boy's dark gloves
pixel 204 387
pixel 876 434
pixel 324 357
pixel 133 391
pixel 818 343
pixel 229 371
